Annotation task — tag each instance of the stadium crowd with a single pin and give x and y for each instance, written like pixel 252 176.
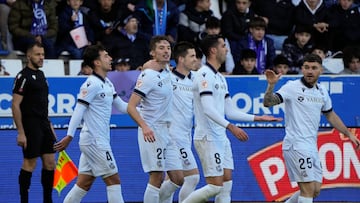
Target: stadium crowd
pixel 289 28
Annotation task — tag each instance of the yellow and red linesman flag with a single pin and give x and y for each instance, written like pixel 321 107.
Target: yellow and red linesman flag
pixel 65 171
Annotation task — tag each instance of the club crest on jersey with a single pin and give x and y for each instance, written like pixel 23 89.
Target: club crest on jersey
pixel 304 174
pixel 217 86
pixel 219 168
pixel 102 95
pixel 160 84
pixel 187 162
pixel 204 84
pixel 174 87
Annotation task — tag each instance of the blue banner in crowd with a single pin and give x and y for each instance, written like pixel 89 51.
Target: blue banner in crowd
pixel 247 92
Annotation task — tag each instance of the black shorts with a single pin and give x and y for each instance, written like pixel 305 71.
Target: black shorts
pixel 40 137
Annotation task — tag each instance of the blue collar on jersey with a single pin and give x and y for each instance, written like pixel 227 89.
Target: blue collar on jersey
pixel 181 75
pixel 307 84
pixel 211 67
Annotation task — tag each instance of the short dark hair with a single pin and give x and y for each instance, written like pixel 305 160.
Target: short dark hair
pixel 312 58
pixel 257 22
pixel 155 39
pixel 349 53
pixel 209 41
pixel 248 54
pixel 32 45
pixel 213 22
pixel 181 49
pixel 280 59
pixel 92 53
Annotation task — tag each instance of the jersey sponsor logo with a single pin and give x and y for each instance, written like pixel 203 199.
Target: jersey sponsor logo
pixel 339 159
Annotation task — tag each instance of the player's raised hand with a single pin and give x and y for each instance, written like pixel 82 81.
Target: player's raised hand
pixel 271 76
pixel 238 132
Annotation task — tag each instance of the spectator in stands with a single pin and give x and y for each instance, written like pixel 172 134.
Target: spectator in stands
pixel 122 64
pixel 345 18
pixel 235 20
pixel 257 41
pixel 297 46
pixel 127 42
pixel 5 38
pixel 247 65
pixel 314 14
pixel 213 27
pixel 85 69
pixel 71 18
pixel 3 70
pixel 192 20
pixel 158 17
pixel 351 59
pixel 321 51
pixel 278 14
pixel 105 18
pixel 26 25
pixel 281 64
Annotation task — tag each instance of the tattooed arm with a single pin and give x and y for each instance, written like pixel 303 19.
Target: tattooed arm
pixel 271 99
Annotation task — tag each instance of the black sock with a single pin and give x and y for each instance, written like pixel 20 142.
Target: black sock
pixel 47 179
pixel 24 183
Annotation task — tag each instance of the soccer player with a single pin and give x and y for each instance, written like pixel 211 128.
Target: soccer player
pixel 36 136
pixel 182 117
pixel 96 98
pixel 211 103
pixel 305 99
pixel 154 93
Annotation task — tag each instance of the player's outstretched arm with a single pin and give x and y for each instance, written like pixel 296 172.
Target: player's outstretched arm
pixel 267 118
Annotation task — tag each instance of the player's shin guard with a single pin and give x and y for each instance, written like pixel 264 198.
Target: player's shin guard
pixel 189 186
pixel 151 194
pixel 203 194
pixel 75 195
pixel 167 190
pixel 294 197
pixel 114 194
pixel 225 195
pixel 24 183
pixel 305 199
pixel 47 180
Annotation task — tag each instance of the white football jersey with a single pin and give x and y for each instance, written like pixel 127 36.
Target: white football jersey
pixel 209 82
pixel 303 108
pixel 182 109
pixel 156 91
pixel 98 95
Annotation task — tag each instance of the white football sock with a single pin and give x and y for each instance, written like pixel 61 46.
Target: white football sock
pixel 114 194
pixel 293 198
pixel 189 186
pixel 151 194
pixel 75 195
pixel 167 190
pixel 225 194
pixel 203 194
pixel 305 199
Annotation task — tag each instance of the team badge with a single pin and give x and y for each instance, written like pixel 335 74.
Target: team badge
pixel 111 165
pixel 187 162
pixel 159 164
pixel 217 86
pixel 204 84
pixel 219 168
